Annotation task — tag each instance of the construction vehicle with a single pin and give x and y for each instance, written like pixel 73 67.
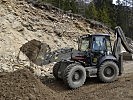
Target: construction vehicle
pixel 95 57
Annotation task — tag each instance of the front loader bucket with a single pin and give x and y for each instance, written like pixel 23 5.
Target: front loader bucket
pixel 35 51
pixel 40 53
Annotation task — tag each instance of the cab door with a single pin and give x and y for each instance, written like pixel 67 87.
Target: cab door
pixel 98 48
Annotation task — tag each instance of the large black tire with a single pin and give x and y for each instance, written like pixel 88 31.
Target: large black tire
pixel 55 70
pixel 74 76
pixel 108 72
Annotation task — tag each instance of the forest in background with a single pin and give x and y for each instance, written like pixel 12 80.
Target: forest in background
pixel 101 10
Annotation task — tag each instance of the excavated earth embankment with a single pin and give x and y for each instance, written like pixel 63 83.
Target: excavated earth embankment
pixel 23 20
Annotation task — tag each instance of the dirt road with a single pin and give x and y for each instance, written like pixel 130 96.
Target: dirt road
pixel 121 89
pixel 128 67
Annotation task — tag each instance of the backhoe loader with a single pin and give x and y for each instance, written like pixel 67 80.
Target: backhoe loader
pixel 95 57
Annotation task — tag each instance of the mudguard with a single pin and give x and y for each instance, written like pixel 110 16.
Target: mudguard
pixel 112 58
pixel 104 58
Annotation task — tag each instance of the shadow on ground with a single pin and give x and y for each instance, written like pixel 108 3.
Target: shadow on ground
pixel 59 86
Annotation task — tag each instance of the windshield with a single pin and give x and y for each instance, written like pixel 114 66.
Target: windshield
pixel 99 43
pixel 84 44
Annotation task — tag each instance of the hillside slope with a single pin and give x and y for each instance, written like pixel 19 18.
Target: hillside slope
pixel 21 21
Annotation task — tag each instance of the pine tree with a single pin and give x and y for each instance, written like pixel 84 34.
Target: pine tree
pixel 103 12
pixel 91 11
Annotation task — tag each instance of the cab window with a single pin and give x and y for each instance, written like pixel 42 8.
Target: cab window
pixel 85 44
pixel 108 43
pixel 98 43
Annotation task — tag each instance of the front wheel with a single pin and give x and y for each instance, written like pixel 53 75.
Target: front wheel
pixel 74 76
pixel 108 71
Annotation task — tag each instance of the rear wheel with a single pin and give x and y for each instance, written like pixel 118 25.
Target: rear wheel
pixel 74 76
pixel 56 69
pixel 108 71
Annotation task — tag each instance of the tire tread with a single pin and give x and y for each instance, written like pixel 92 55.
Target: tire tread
pixel 100 69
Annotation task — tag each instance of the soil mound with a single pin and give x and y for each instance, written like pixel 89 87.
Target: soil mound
pixel 22 85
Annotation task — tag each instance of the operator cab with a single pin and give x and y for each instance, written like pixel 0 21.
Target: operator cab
pixel 95 46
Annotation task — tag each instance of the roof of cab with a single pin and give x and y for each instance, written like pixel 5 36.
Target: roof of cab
pixel 98 34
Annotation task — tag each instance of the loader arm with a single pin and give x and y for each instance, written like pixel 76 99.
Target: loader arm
pixel 40 53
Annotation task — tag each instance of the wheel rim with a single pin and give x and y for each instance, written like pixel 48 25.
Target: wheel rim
pixel 77 76
pixel 109 71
